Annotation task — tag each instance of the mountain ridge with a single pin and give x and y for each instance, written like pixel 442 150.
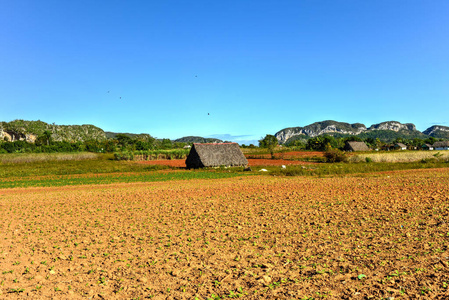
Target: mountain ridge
pixel 29 131
pixel 388 130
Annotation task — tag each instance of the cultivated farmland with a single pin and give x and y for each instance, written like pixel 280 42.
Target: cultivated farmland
pixel 367 236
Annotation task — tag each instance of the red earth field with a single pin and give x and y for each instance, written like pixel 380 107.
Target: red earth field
pixel 181 163
pixel 258 237
pixel 291 155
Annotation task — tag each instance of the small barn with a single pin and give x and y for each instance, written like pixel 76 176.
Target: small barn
pixel 400 146
pixel 356 146
pixel 215 155
pixel 441 145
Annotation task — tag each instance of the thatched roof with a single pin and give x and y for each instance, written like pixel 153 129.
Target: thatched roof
pixel 441 144
pixel 356 146
pixel 400 145
pixel 215 155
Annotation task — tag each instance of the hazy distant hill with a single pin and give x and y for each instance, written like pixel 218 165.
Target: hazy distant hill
pixel 386 131
pixel 113 135
pixel 197 139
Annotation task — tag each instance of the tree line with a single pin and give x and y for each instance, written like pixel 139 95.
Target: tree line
pixel 45 144
pixel 324 142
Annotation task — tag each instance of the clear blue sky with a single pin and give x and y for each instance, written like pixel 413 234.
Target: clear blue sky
pixel 231 69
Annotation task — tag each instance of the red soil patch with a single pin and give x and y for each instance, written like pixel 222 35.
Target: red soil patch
pixel 256 237
pixel 289 155
pixel 181 163
pixel 275 162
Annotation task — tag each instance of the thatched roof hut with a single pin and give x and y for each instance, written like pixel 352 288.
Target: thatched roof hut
pixel 215 155
pixel 356 146
pixel 444 145
pixel 400 146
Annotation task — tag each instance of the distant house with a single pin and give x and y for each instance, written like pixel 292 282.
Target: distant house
pixel 400 146
pixel 441 145
pixel 215 155
pixel 356 146
pixel 427 147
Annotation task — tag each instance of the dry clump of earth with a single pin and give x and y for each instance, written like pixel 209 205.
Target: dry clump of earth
pixel 355 237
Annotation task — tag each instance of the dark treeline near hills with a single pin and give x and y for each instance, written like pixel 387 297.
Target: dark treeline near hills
pixel 197 139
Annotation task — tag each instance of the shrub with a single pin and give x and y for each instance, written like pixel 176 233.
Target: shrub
pixel 368 159
pixel 335 155
pixel 123 156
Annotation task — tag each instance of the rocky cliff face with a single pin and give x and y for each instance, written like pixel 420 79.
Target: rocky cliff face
pixel 437 131
pixel 320 128
pixel 339 128
pixel 20 130
pixel 393 125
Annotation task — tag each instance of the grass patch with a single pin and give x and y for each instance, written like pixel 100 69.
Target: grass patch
pixel 102 169
pixel 400 156
pixel 86 179
pixel 102 163
pixel 351 168
pixel 20 158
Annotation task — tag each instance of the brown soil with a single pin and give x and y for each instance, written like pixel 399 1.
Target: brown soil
pixel 378 236
pixel 180 163
pixel 276 162
pixel 291 155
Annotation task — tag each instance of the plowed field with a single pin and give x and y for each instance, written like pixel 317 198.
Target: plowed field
pixel 181 163
pixel 377 236
pixel 288 155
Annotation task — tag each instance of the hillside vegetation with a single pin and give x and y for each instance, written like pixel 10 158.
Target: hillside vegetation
pixel 30 130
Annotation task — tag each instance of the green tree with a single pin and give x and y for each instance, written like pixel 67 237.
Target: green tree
pixel 44 138
pixel 322 142
pixel 166 144
pixel 123 140
pixel 430 140
pixel 269 142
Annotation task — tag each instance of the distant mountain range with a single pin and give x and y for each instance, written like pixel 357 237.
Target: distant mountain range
pixel 386 131
pixel 197 139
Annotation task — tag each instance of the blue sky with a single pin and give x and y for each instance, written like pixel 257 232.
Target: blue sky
pixel 231 69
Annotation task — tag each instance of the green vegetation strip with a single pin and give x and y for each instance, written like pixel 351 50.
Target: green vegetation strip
pixel 52 181
pixel 103 164
pixel 53 171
